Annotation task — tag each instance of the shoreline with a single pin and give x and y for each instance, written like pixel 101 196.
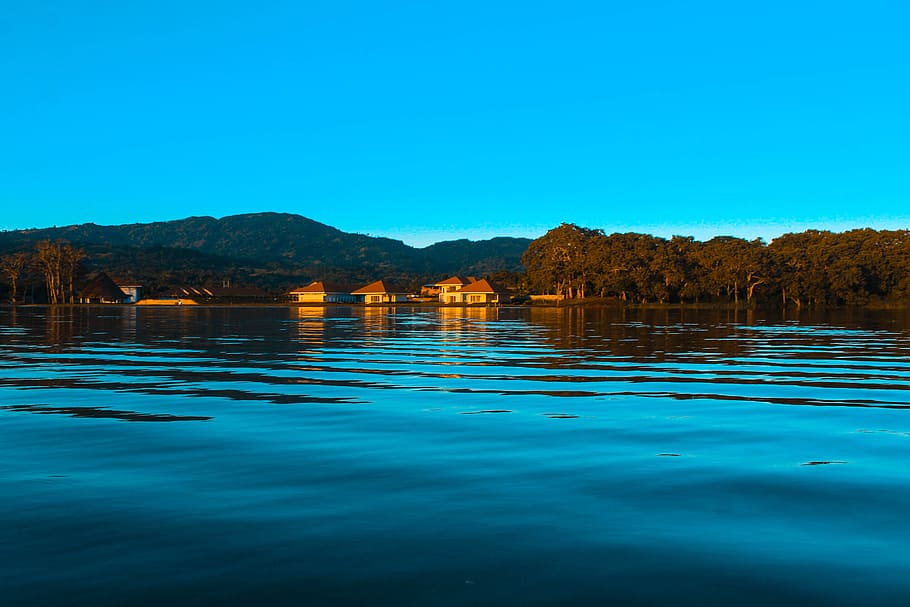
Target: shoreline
pixel 565 304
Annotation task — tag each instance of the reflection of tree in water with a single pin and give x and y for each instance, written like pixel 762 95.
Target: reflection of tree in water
pixel 637 333
pixel 654 333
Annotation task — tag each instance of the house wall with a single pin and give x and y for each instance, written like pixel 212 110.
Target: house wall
pixel 478 298
pixel 375 298
pixel 310 297
pixel 340 298
pixel 132 293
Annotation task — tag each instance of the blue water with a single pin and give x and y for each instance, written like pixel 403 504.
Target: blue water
pixel 380 456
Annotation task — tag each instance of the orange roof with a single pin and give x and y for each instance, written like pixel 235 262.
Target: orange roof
pixel 374 287
pixel 455 280
pixel 480 286
pixel 317 286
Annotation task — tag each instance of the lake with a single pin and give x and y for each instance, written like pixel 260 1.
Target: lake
pixel 452 456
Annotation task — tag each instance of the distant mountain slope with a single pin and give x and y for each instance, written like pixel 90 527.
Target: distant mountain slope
pixel 277 247
pixel 475 257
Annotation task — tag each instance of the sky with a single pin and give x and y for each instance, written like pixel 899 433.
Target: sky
pixel 428 121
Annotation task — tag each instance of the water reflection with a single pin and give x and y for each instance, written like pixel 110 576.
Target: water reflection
pixel 559 456
pixel 340 354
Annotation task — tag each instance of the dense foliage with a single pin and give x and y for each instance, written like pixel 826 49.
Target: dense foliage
pixel 808 268
pixel 278 252
pixel 58 264
pixel 273 251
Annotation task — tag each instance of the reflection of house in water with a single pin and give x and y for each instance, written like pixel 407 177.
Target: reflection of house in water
pixel 484 314
pixel 320 292
pixel 311 324
pixel 465 325
pixel 378 321
pixel 380 292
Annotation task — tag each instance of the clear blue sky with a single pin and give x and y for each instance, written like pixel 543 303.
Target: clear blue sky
pixel 430 120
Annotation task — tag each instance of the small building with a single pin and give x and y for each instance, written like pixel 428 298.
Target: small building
pixel 481 292
pixel 133 292
pixel 221 294
pixel 102 290
pixel 379 292
pixel 319 292
pixel 449 288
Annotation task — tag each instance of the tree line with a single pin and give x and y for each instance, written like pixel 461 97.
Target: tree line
pixel 59 264
pixel 811 268
pixel 814 267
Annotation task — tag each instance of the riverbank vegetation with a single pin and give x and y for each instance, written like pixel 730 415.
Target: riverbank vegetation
pixel 569 263
pixel 816 268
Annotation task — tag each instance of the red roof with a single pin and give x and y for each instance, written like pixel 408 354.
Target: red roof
pixel 481 286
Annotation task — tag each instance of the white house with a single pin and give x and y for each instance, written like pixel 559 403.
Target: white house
pixel 449 288
pixel 378 292
pixel 481 292
pixel 318 292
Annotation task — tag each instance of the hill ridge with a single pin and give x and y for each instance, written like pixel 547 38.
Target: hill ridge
pixel 266 248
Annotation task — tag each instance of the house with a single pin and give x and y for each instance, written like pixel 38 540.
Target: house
pixel 318 292
pixel 378 292
pixel 481 292
pixel 449 288
pixel 133 292
pixel 101 290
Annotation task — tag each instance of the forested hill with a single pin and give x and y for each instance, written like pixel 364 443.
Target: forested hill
pixel 272 250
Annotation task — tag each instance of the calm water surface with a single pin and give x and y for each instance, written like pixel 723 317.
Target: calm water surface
pixel 351 456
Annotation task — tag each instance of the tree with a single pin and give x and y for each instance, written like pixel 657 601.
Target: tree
pixel 71 257
pixel 801 262
pixel 558 261
pixel 13 265
pixel 58 262
pixel 623 267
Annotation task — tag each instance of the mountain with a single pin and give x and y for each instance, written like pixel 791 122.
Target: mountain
pixel 271 250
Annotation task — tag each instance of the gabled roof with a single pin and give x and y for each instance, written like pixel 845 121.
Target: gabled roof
pixel 378 286
pixel 454 280
pixel 102 287
pixel 318 286
pixel 481 286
